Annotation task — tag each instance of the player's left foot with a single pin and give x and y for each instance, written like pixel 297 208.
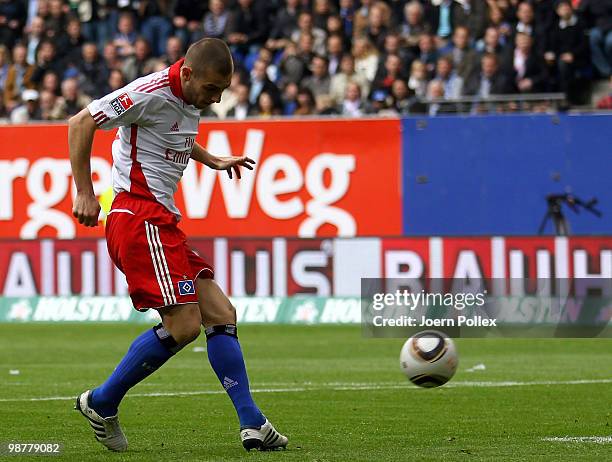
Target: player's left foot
pixel 264 438
pixel 107 429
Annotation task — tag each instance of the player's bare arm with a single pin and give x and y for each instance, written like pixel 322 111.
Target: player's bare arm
pixel 200 154
pixel 81 130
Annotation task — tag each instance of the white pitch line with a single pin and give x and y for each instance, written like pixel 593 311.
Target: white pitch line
pixel 579 439
pixel 333 386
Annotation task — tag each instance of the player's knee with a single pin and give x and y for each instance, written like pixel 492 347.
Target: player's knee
pixel 224 315
pixel 187 333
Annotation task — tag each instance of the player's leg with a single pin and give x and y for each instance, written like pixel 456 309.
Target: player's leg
pixel 181 325
pixel 150 350
pixel 225 356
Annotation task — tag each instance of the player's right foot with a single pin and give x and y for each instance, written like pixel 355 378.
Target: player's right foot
pixel 264 438
pixel 107 430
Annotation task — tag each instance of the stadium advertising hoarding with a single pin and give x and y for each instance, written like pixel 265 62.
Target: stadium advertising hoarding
pixel 490 175
pixel 313 178
pixel 280 267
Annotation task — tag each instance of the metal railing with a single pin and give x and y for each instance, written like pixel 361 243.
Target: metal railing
pixel 533 102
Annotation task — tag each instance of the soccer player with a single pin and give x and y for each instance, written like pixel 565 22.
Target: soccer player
pixel 158 117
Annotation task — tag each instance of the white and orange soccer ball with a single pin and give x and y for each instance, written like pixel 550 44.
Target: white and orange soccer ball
pixel 429 358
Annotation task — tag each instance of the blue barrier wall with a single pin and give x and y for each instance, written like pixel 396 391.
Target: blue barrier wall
pixel 490 174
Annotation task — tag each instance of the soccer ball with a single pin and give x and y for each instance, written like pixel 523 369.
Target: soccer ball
pixel 429 358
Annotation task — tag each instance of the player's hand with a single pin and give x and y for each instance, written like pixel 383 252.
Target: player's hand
pixel 86 209
pixel 229 163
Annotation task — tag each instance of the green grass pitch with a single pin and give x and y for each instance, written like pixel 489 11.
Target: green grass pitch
pixel 337 395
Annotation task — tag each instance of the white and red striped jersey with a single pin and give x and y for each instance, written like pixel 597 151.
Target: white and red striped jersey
pixel 157 130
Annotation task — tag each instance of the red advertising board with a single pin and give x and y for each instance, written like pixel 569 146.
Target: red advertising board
pixel 313 179
pixel 324 267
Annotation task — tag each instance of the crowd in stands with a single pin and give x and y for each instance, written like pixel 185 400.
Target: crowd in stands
pixel 305 57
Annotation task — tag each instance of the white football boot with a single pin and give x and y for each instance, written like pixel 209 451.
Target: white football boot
pixel 264 438
pixel 107 430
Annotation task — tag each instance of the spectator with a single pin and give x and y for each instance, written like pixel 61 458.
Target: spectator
pixel 525 16
pixel 598 15
pixel 70 43
pixel 366 58
pixel 5 64
pixel 464 58
pixel 427 53
pixel 305 49
pixel 497 20
pixel 229 98
pixel 319 82
pixel 51 82
pixel 413 25
pixel 321 12
pixel 99 19
pixel 379 103
pixel 261 82
pixel 347 74
pixel 72 100
pixel 306 27
pixel 187 19
pixel 93 71
pixel 524 65
pixel 46 61
pixel 489 81
pixel 567 47
pixel 111 58
pixel 34 37
pixel 334 27
pixel 361 16
pixel 115 81
pixel 325 105
pixel 335 49
pixel 400 97
pixel 490 43
pixel 29 110
pixel 435 93
pixel 386 75
pixel 18 77
pixel 392 46
pixel 451 82
pixel 292 66
pixel 417 82
pixel 305 102
pixel 284 25
pixel 266 56
pixel 12 19
pixel 126 35
pixel 352 105
pixel 48 105
pixel 154 24
pixel 472 15
pixel 347 16
pixel 242 108
pixel 215 21
pixel 379 18
pixel 55 23
pixel 526 25
pixel 265 106
pixel 174 51
pixel 246 29
pixel 289 99
pixel 441 16
pixel 140 63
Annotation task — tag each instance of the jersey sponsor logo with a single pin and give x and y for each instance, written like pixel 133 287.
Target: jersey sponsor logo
pixel 180 157
pixel 121 103
pixel 186 287
pixel 175 127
